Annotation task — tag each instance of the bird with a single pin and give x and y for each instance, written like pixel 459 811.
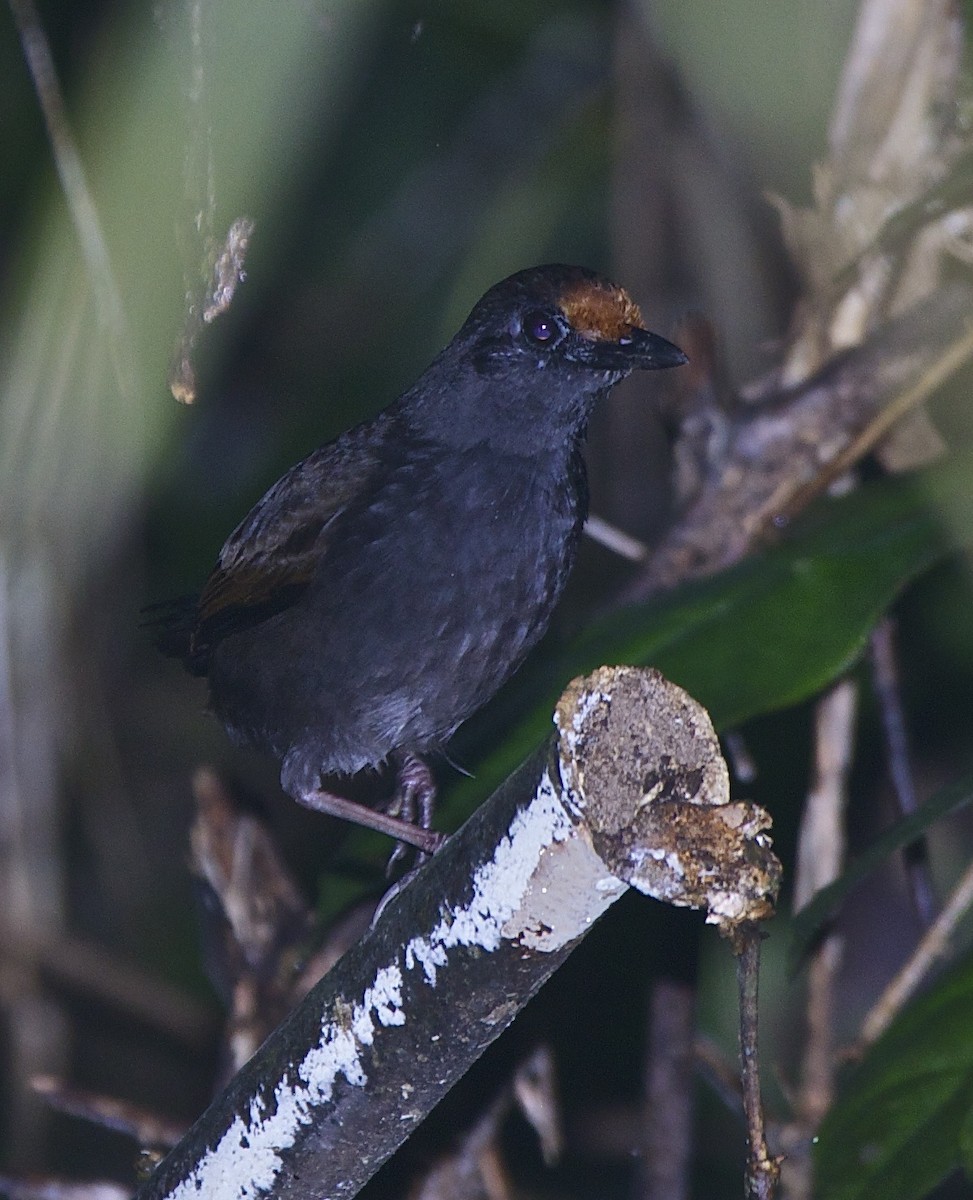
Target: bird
pixel 387 585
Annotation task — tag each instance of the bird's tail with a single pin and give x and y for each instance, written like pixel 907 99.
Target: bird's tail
pixel 172 624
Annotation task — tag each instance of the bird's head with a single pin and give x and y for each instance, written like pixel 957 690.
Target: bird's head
pixel 566 319
pixel 531 359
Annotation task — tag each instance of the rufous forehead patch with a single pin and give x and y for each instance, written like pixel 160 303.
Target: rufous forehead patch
pixel 599 311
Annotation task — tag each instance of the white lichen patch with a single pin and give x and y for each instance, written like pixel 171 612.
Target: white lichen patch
pixel 725 906
pixel 384 999
pixel 499 886
pixel 573 719
pixel 247 1159
pixel 428 955
pixel 568 892
pixel 588 703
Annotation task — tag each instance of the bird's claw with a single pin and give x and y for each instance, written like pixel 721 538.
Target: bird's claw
pixel 414 801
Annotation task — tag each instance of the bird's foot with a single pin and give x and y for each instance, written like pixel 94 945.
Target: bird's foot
pixel 413 803
pixel 399 885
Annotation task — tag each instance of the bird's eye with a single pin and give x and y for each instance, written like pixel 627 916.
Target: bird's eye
pixel 541 328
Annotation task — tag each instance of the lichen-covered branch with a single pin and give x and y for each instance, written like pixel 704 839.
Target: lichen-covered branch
pixel 631 790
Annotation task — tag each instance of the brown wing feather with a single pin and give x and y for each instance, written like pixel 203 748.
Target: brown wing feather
pixel 271 556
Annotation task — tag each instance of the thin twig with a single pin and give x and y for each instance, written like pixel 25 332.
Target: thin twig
pixel 77 194
pixel 821 849
pixel 821 846
pixel 931 948
pixel 885 680
pixel 617 540
pixel 763 1171
pixel 145 1127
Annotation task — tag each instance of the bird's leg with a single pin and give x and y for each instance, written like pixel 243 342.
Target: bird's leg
pixel 416 789
pixel 414 797
pixel 426 840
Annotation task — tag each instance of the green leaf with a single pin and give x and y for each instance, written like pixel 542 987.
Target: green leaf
pixel 774 629
pixel 809 920
pixel 896 1130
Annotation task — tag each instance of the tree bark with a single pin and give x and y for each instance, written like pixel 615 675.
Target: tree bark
pixel 631 790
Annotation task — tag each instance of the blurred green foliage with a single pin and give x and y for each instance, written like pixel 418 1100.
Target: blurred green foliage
pixel 904 1120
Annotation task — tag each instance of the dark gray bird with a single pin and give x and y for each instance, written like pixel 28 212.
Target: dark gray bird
pixel 387 585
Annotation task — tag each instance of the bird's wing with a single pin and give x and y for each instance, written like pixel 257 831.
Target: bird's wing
pixel 270 558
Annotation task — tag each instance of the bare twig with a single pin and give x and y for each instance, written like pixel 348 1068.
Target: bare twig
pixel 820 854
pixel 474 1166
pixel 821 845
pixel 146 1128
pixel 821 841
pixel 259 913
pixel 78 195
pixel 615 539
pixel 931 948
pixel 719 1071
pixel 762 463
pixel 763 1171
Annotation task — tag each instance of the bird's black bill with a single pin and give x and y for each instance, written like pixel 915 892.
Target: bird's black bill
pixel 649 351
pixel 635 350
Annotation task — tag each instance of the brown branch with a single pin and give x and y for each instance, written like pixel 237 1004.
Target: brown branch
pixel 763 1171
pixel 74 184
pixel 931 378
pixel 820 854
pixel 631 791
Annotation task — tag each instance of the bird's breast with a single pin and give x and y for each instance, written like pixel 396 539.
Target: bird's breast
pixel 430 594
pixel 455 579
